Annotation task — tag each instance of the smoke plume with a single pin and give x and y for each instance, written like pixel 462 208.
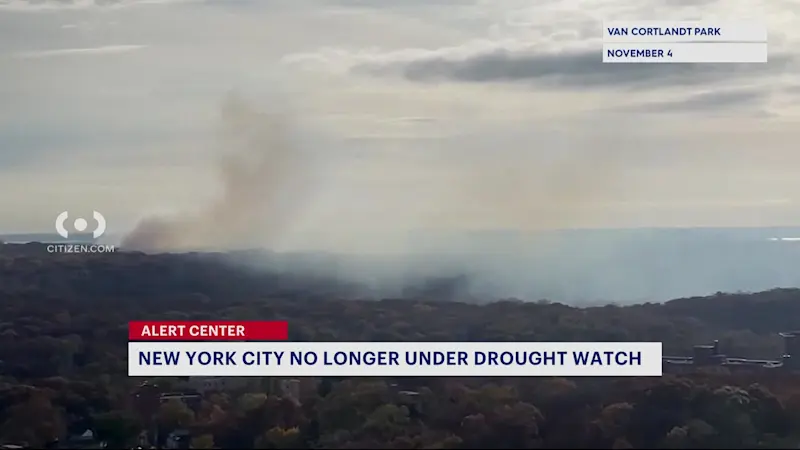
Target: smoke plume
pixel 268 179
pixel 263 174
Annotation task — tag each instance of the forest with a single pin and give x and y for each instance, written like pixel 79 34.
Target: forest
pixel 63 366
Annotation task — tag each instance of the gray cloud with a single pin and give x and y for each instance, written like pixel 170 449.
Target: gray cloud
pixel 685 3
pixel 49 5
pixel 404 3
pixel 60 145
pixel 265 178
pixel 499 145
pixel 87 51
pixel 572 69
pixel 748 100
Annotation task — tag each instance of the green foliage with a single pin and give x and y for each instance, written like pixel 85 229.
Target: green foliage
pixel 203 441
pixel 116 427
pixel 175 414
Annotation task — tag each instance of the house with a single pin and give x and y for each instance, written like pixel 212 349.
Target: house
pixel 85 440
pixel 709 356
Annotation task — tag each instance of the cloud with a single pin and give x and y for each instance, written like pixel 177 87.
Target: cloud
pixel 513 61
pixel 467 114
pixel 570 68
pixel 737 100
pixel 546 46
pixel 89 51
pixel 61 5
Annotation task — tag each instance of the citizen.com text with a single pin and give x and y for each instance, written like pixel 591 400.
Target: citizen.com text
pixel 80 248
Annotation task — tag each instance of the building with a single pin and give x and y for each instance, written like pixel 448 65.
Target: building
pixel 710 356
pixel 146 400
pixel 791 347
pixel 707 355
pixel 296 388
pixel 192 399
pixel 204 385
pixel 85 440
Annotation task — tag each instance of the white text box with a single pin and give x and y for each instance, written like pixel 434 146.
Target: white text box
pixel 685 53
pixel 395 359
pixel 665 31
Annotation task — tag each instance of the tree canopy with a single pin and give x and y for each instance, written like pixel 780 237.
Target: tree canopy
pixel 63 364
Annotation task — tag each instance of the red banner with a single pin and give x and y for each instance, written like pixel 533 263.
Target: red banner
pixel 212 330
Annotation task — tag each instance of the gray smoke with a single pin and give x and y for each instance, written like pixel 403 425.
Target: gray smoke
pixel 270 182
pixel 263 175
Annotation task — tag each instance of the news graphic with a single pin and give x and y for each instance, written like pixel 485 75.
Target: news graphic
pixel 257 348
pixel 80 224
pixel 73 242
pixel 684 42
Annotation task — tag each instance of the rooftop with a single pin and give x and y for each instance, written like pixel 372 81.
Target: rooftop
pixel 718 359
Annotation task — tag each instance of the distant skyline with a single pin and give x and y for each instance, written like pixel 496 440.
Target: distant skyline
pixel 399 115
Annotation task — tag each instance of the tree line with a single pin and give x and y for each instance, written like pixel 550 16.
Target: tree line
pixel 63 364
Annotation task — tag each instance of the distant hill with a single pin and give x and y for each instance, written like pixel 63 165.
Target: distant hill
pixel 573 266
pixel 64 350
pixel 48 238
pixel 190 283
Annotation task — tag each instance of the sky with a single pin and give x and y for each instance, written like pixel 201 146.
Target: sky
pixel 393 115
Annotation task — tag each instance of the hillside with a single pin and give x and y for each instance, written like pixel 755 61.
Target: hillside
pixel 63 360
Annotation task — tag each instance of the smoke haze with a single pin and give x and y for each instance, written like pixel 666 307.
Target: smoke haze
pixel 440 248
pixel 264 178
pixel 400 231
pixel 429 139
pixel 277 192
pixel 271 185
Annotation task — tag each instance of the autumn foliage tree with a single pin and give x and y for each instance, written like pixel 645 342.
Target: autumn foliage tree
pixel 63 366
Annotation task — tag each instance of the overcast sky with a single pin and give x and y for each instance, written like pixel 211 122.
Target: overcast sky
pixel 407 113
